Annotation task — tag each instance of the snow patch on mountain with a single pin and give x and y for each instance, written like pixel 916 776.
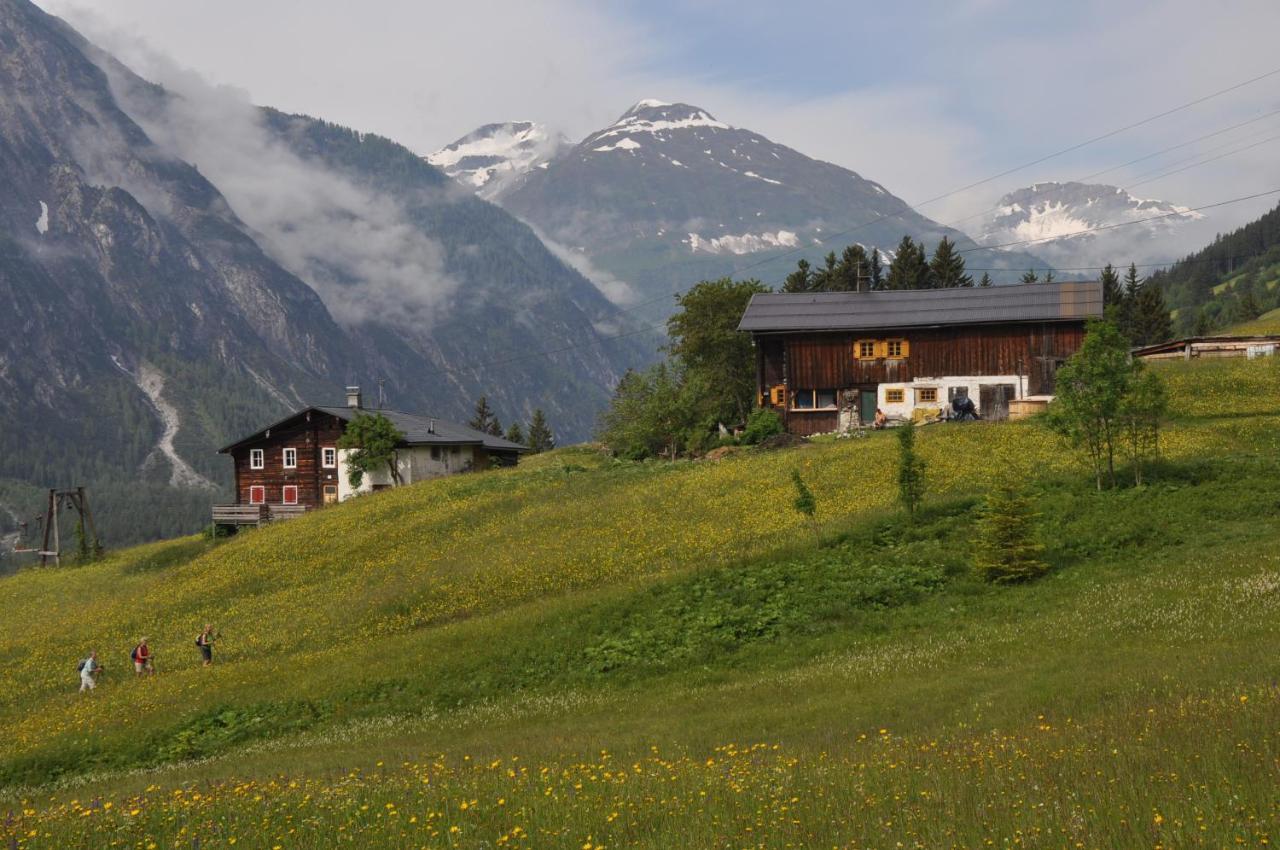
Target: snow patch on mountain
pixel 660 119
pixel 42 223
pixel 492 157
pixel 745 243
pixel 627 144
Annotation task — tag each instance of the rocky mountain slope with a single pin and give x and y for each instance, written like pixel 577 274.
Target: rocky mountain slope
pixel 668 194
pixel 1054 211
pixel 173 270
pixel 493 157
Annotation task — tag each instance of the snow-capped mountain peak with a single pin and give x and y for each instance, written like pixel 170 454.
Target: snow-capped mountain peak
pixel 1058 213
pixel 1058 210
pixel 492 157
pixel 657 119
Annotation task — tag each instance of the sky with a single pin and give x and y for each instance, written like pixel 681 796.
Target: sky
pixel 923 97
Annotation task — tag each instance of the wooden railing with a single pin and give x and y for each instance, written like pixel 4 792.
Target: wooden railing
pixel 237 515
pixel 240 514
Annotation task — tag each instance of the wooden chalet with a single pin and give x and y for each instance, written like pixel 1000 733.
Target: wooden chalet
pixel 295 465
pixel 826 361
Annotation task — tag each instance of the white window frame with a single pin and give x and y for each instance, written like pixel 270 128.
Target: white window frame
pixel 260 491
pixel 284 457
pixel 329 457
pixel 257 459
pixel 284 494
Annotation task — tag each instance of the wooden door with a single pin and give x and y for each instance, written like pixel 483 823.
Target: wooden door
pixel 994 400
pixel 867 406
pixel 330 494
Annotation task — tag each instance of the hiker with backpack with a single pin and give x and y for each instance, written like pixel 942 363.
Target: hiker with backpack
pixel 204 642
pixel 142 658
pixel 89 669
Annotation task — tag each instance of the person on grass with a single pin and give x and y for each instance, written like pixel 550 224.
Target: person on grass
pixel 204 641
pixel 90 669
pixel 142 658
pixel 881 419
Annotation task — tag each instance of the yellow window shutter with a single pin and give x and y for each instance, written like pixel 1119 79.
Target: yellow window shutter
pixel 882 348
pixel 906 348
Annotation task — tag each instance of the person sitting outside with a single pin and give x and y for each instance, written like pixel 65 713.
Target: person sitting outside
pixel 881 420
pixel 142 658
pixel 962 409
pixel 90 669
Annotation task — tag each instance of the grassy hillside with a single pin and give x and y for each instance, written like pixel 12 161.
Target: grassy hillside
pixel 1267 323
pixel 581 651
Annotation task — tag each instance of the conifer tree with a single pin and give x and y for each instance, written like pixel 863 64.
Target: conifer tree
pixel 947 266
pixel 1049 276
pixel 483 419
pixel 515 433
pixel 1112 293
pixel 910 268
pixel 854 271
pixel 877 271
pixel 986 280
pixel 799 280
pixel 911 467
pixel 1030 276
pixel 1248 306
pixel 1005 547
pixel 540 437
pixel 1149 320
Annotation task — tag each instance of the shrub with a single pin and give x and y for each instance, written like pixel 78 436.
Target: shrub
pixel 910 469
pixel 762 424
pixel 1006 549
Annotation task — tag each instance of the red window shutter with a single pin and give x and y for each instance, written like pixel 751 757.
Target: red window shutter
pixel 290 495
pixel 257 494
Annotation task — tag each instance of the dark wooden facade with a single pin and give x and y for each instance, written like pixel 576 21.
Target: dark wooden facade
pixel 797 361
pixel 309 433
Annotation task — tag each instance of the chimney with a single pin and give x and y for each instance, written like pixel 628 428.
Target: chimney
pixel 431 427
pixel 353 398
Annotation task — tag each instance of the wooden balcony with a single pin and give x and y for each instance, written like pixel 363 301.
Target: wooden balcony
pixel 236 516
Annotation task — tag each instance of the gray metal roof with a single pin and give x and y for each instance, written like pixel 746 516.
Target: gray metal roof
pixel 1059 301
pixel 417 430
pixel 427 430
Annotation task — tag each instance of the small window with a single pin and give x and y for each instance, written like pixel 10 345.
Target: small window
pixel 329 458
pixel 455 450
pixel 257 459
pixel 896 348
pixel 290 495
pixel 813 399
pixel 825 398
pixel 435 452
pixel 895 396
pixel 802 399
pixel 257 495
pixel 926 395
pixel 290 458
pixel 866 349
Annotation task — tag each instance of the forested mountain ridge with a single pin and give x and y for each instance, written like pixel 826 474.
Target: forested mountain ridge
pixel 1233 279
pixel 154 304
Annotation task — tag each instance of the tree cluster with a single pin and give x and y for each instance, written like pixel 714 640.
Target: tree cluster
pixel 1108 404
pixel 707 380
pixel 1136 307
pixel 537 435
pixel 859 269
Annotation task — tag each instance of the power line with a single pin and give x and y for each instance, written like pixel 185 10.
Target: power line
pixel 913 208
pixel 1202 162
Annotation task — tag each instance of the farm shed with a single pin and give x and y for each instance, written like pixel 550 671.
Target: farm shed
pixel 826 360
pixel 1258 345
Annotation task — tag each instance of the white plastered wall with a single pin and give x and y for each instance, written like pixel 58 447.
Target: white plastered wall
pixel 943 385
pixel 414 464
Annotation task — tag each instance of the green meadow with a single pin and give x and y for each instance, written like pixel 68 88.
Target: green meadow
pixel 583 652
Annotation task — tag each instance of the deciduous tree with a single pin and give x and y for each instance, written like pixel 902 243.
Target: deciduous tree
pixel 372 439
